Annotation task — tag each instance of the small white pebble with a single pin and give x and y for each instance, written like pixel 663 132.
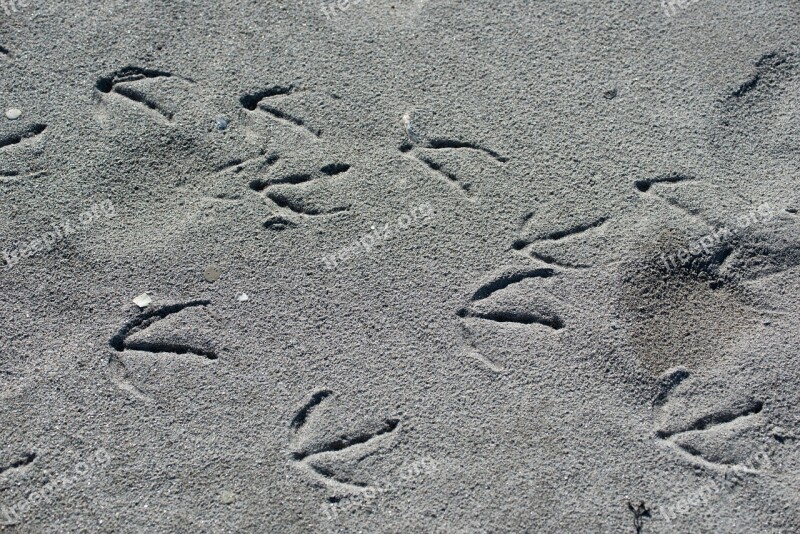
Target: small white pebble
pixel 243 297
pixel 13 114
pixel 143 300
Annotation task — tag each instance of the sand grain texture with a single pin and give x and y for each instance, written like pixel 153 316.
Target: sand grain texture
pixel 509 266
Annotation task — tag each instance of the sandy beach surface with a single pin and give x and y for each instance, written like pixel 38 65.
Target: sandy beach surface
pixel 399 266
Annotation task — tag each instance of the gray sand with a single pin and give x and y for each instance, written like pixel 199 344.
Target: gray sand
pixel 414 266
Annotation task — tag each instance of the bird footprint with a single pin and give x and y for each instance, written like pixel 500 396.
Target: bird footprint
pixel 334 460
